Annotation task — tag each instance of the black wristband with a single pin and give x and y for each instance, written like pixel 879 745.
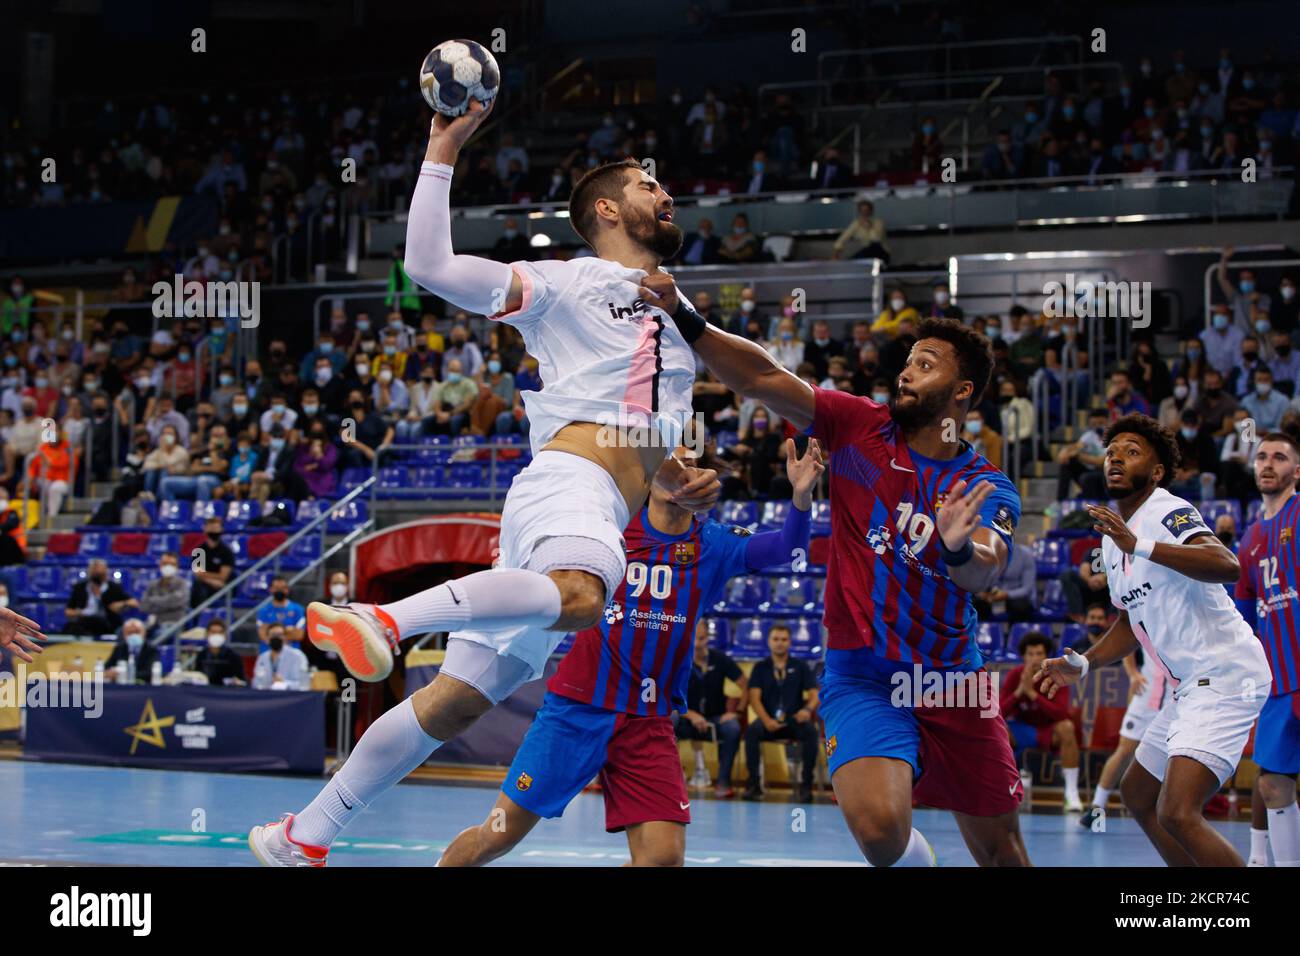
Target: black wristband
pixel 955 559
pixel 689 322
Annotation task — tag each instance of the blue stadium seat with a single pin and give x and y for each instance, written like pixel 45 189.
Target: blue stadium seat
pixel 726 439
pixel 203 510
pixel 719 632
pixel 506 472
pixel 463 441
pixel 393 480
pixel 434 455
pixel 1073 635
pixel 239 514
pixel 309 511
pixel 160 544
pixel 303 552
pixel 122 576
pixel 255 588
pixel 141 578
pixel 1012 650
pixel 71 578
pixel 56 618
pixel 794 594
pixel 743 513
pixel 749 638
pixel 990 640
pixel 238 545
pixel 1210 511
pixel 774 514
pixel 1053 606
pixel 353 478
pixel 1070 505
pixel 175 515
pixel 1252 512
pixel 744 594
pixel 44 581
pixel 820 518
pixel 15 578
pixel 346 517
pixel 37 613
pixel 466 476
pixel 94 544
pixel 429 478
pixel 806 639
pixel 1051 556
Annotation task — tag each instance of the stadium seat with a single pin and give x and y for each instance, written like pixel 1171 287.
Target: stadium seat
pixel 206 510
pixel 131 548
pixel 63 548
pixel 345 518
pixel 160 544
pixel 429 479
pixel 745 594
pixel 15 578
pixel 56 618
pixel 352 479
pixel 820 518
pixel 255 588
pixel 726 439
pixel 94 544
pixel 122 576
pixel 806 639
pixel 774 515
pixel 1069 506
pixel 37 612
pixel 1210 511
pixel 1074 635
pixel 309 511
pixel 466 477
pixel 393 480
pixel 258 546
pixel 1051 556
pixel 1252 512
pixel 719 632
pixel 141 578
pixel 1053 606
pixel 743 513
pixel 306 550
pixel 238 515
pixel 175 515
pixel 794 594
pixel 779 247
pixel 749 639
pixel 44 581
pixel 990 640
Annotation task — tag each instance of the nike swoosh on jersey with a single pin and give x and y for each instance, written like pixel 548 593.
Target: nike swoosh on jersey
pixel 897 467
pixel 684 806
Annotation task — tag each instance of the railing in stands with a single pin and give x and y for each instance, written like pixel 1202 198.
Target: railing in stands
pixel 226 594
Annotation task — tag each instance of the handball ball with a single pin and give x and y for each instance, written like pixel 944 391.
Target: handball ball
pixel 455 71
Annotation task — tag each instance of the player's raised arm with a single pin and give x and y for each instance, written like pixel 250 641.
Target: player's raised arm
pixel 1116 644
pixel 975 556
pixel 1202 558
pixel 471 283
pixel 774 548
pixel 739 364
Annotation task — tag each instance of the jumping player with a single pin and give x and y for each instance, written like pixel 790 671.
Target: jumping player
pixel 1166 569
pixel 919 523
pixel 1266 595
pixel 607 708
pixel 618 388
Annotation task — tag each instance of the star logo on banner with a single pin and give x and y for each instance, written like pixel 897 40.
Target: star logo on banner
pixel 149 729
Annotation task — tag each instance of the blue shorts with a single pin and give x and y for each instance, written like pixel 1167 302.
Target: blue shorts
pixel 570 743
pixel 960 755
pixel 1277 735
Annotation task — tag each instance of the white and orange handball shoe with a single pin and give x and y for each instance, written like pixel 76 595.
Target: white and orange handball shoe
pixel 273 846
pixel 363 636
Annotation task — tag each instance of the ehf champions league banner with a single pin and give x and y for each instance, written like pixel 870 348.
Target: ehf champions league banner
pixel 88 230
pixel 182 727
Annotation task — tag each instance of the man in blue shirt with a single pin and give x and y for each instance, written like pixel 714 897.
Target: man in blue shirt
pixel 280 610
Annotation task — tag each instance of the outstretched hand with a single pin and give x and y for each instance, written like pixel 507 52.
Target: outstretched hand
pixel 1055 673
pixel 805 472
pixel 19 634
pixel 960 514
pixel 448 134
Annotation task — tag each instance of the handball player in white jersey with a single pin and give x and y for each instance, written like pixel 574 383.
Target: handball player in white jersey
pixel 618 379
pixel 1166 571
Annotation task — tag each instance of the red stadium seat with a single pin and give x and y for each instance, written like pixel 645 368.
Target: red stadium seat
pixel 1105 728
pixel 130 543
pixel 64 543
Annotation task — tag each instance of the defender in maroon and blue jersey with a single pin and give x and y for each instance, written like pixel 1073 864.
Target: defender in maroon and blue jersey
pixel 1267 597
pixel 608 708
pixel 919 522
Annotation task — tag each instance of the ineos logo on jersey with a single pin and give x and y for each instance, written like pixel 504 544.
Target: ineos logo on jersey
pixel 1135 594
pixel 626 312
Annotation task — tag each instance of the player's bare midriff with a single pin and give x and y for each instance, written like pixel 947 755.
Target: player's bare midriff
pixel 633 469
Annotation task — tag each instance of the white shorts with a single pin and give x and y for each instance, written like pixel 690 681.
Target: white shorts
pixel 1200 722
pixel 1140 714
pixel 558 496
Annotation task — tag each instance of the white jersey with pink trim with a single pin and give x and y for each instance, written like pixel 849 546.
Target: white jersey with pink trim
pixel 1193 629
pixel 604 355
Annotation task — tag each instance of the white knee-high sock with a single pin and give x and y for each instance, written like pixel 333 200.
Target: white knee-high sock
pixel 1100 796
pixel 918 852
pixel 1071 775
pixel 1258 847
pixel 486 601
pixel 392 747
pixel 1284 834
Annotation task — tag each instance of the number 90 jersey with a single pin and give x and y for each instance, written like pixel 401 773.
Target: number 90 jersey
pixel 1194 628
pixel 637 659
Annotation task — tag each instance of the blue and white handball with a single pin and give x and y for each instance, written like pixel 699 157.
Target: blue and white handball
pixel 455 71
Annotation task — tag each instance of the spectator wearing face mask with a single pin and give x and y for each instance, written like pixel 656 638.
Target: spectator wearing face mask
pixel 456 396
pixel 822 348
pixel 1264 403
pixel 327 349
pixel 747 315
pixel 369 433
pixel 207 470
pixel 180 377
pixel 281 610
pixel 282 666
pixel 1222 340
pixel 1247 303
pixel 1170 411
pixel 511 245
pixel 1285 313
pixel 274 473
pixel 51 471
pixel 1122 398
pixel 403 336
pixel 1217 406
pixel 1082 460
pixel 217 662
pixel 494 411
pixel 1237 457
pixel 167 598
pixel 279 413
pixel 1194 477
pixel 423 398
pixel 25 435
pixel 45 393
pixel 1191 365
pixel 701 247
pixel 389 395
pixel 941 304
pixel 214 565
pixel 1285 364
pixel 1242 378
pixel 741 245
pixel 895 313
pixel 170 457
pixel 788 349
pixel 983 439
pixel 132 649
pixel 96 603
pixel 761 449
pixel 467 354
pixel 1152 374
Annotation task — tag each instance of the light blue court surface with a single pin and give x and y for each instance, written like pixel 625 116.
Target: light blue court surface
pixel 63 813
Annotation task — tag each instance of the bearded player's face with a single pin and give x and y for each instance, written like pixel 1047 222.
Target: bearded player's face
pixel 927 385
pixel 647 215
pixel 1130 465
pixel 1276 466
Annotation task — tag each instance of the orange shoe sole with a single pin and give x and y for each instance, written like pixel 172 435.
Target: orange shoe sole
pixel 365 654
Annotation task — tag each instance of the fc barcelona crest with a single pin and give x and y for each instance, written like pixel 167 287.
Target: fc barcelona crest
pixel 524 781
pixel 683 552
pixel 1285 536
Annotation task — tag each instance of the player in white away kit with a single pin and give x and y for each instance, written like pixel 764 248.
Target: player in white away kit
pixel 1166 572
pixel 618 379
pixel 1150 692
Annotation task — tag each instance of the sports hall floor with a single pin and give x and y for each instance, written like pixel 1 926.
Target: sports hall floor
pixel 69 814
